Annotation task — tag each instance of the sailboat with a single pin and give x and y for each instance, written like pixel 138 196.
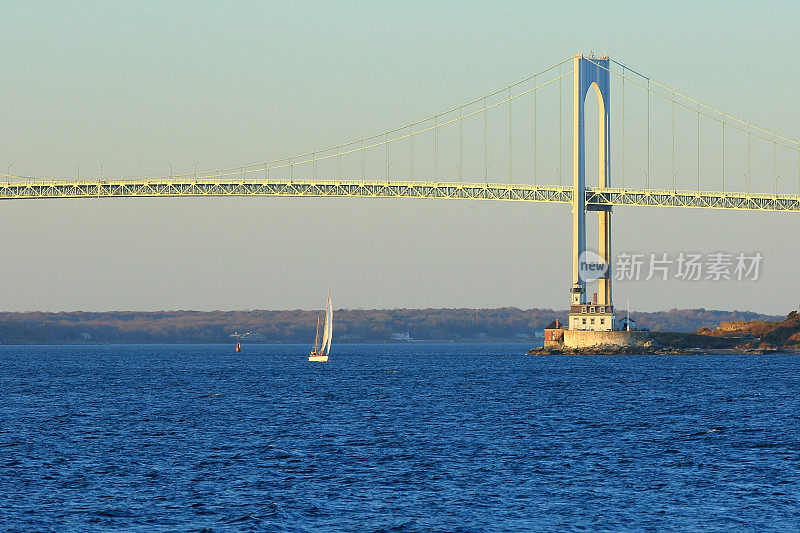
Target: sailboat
pixel 320 353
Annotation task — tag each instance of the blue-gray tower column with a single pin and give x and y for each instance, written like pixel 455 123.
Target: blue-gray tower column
pixel 590 73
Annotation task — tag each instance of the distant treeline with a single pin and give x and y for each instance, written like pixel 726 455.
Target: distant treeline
pixel 351 325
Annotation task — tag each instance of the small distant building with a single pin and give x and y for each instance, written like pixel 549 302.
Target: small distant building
pixel 248 337
pixel 401 337
pixel 627 324
pixel 554 333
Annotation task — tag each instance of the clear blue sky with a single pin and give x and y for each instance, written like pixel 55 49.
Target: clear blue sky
pixel 140 85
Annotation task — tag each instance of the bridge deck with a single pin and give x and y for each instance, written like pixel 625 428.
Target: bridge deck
pixel 596 198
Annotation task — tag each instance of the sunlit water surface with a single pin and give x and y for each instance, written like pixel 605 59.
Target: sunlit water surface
pixel 400 437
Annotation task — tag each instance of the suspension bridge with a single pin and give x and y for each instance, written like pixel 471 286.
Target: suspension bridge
pixel 666 149
pixel 595 197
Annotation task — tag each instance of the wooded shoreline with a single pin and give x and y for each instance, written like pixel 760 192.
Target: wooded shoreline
pixel 352 325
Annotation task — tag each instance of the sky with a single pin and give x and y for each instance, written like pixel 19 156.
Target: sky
pixel 135 87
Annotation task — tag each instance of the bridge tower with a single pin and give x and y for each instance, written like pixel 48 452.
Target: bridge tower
pixel 590 73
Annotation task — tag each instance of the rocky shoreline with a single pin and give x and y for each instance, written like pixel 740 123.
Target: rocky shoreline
pixel 649 350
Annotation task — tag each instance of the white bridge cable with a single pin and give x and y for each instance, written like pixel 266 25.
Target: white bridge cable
pixel 258 167
pixel 417 132
pixel 715 110
pixel 291 162
pixel 793 144
pixel 297 159
pixel 363 144
pixel 746 127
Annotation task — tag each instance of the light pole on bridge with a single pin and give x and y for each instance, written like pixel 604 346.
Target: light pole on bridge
pixel 170 171
pixel 101 170
pixel 8 172
pixel 487 172
pixel 195 170
pixel 79 171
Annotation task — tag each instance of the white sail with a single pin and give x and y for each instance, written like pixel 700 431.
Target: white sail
pixel 316 339
pixel 329 325
pixel 326 330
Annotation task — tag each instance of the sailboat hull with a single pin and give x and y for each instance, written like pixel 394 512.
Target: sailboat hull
pixel 321 358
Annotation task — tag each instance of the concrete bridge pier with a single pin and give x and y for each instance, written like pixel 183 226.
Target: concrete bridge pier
pixel 591 73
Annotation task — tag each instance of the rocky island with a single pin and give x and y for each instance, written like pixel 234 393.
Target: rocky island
pixel 758 337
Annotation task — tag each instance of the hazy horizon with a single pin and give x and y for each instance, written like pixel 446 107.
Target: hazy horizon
pixel 620 310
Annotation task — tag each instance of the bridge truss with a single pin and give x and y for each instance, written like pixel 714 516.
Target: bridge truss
pixel 595 198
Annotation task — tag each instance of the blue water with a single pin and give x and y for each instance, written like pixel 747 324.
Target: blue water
pixel 412 437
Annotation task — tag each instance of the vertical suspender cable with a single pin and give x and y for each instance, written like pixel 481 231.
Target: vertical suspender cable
pixel 560 126
pixel 673 140
pixel 748 159
pixel 535 158
pixel 338 162
pixel 698 146
pixel 460 144
pixel 623 127
pixel 314 157
pixel 386 143
pixel 485 144
pixel 291 169
pixel 647 176
pixel 723 153
pixel 509 137
pixel 411 151
pixel 774 179
pixel 363 160
pixel 436 147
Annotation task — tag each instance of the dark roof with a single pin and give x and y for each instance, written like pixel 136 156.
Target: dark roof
pixel 555 324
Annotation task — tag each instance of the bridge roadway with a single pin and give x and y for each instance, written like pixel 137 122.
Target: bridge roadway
pixel 596 199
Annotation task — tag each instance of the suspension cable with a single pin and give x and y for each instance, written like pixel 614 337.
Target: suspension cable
pixel 411 150
pixel 623 128
pixel 535 155
pixel 673 141
pixel 460 144
pixel 417 122
pixel 698 148
pixel 647 176
pixel 560 126
pixel 768 133
pixel 509 137
pixel 720 112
